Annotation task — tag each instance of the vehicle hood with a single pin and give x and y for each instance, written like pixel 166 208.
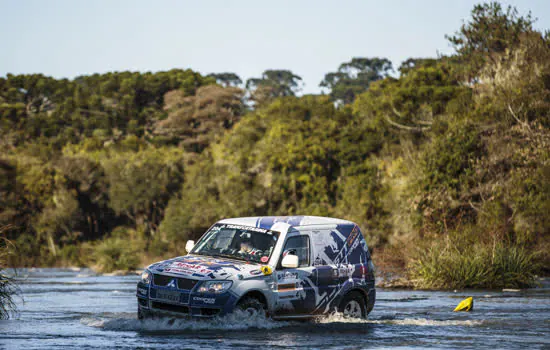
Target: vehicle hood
pixel 203 267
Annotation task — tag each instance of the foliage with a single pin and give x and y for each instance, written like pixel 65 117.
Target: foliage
pixel 457 263
pixel 112 170
pixel 266 166
pixel 354 77
pixel 273 84
pixel 448 167
pixel 120 251
pixel 64 111
pixel 141 183
pixel 227 79
pixel 426 93
pixel 8 288
pixel 491 31
pixel 197 119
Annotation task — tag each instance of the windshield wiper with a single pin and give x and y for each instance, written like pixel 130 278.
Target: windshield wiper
pixel 228 256
pixel 197 253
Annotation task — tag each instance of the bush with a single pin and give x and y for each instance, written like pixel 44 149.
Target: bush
pixel 447 176
pixel 121 251
pixel 460 263
pixel 8 289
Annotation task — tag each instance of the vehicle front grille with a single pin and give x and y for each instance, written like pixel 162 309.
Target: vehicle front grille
pixel 186 283
pixel 183 283
pixel 170 307
pixel 161 280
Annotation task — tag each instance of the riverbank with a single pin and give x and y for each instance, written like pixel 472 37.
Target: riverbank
pixel 386 277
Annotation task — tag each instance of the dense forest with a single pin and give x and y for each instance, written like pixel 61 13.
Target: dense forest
pixel 443 162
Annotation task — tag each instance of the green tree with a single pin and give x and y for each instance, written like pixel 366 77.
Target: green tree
pixel 141 183
pixel 355 77
pixel 427 92
pixel 490 32
pixel 272 84
pixel 227 79
pixel 197 120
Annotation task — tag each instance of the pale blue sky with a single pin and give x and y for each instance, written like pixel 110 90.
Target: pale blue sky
pixel 67 38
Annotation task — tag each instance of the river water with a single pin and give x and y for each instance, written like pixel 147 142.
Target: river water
pixel 63 308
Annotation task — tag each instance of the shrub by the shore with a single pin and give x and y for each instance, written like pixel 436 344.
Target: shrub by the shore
pixel 121 251
pixel 458 263
pixel 8 288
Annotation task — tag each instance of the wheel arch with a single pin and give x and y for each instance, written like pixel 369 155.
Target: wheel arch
pixel 361 291
pixel 362 294
pixel 255 293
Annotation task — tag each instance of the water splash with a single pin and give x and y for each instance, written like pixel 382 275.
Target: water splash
pixel 238 320
pixel 339 318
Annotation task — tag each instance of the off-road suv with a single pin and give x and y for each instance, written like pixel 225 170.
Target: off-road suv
pixel 288 267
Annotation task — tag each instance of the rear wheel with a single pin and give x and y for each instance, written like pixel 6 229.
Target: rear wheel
pixel 252 306
pixel 353 305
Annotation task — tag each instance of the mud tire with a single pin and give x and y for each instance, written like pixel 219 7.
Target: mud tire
pixel 353 305
pixel 252 305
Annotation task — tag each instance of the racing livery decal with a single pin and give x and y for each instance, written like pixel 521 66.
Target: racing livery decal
pixel 194 266
pixel 332 275
pixel 332 261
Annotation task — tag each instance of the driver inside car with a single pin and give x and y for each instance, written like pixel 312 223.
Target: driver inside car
pixel 246 247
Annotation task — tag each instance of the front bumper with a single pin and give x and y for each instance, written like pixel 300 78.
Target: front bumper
pixel 163 301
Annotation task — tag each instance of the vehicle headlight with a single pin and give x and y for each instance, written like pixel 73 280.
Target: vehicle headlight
pixel 215 286
pixel 146 276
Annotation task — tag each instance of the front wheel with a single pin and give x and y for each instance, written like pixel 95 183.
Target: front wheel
pixel 252 306
pixel 353 305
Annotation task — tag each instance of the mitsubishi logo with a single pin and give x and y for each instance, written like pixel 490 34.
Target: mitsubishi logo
pixel 172 283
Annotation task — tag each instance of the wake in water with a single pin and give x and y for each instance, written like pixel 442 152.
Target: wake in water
pixel 240 320
pixel 339 318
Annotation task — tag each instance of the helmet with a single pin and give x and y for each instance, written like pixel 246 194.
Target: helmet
pixel 245 237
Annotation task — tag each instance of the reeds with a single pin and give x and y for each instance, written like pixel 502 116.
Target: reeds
pixel 457 265
pixel 8 288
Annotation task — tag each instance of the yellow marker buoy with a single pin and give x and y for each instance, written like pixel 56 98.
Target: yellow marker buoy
pixel 465 305
pixel 267 270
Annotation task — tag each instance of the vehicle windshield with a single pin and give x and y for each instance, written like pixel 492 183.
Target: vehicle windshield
pixel 239 242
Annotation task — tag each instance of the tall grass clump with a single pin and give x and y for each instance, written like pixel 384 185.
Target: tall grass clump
pixel 457 263
pixel 122 251
pixel 8 288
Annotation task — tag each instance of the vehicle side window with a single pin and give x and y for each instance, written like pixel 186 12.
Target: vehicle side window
pixel 298 245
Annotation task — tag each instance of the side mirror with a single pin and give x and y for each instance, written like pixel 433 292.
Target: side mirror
pixel 189 245
pixel 290 261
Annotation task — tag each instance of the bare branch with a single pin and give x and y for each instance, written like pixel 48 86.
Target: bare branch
pixel 424 122
pixel 405 127
pixel 522 123
pixel 473 206
pixel 83 110
pixel 399 114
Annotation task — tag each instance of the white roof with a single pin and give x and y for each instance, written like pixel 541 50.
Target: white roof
pixel 268 221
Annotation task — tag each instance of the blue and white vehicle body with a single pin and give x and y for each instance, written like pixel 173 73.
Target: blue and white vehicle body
pixel 330 264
